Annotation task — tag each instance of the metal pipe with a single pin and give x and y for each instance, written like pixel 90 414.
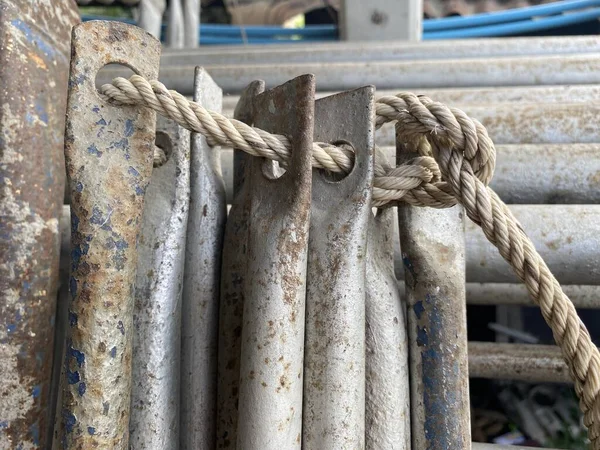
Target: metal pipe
pixel 270 392
pixel 191 19
pixel 525 362
pixel 387 416
pixel 334 385
pixel 200 309
pixel 473 72
pixel 233 276
pixel 154 421
pixel 525 174
pixel 523 123
pixel 433 256
pixel 383 51
pixel 481 96
pixel 480 446
pixel 109 152
pixel 34 54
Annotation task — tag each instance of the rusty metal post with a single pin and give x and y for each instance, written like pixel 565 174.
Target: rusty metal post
pixel 433 254
pixel 334 385
pixel 200 322
pixel 109 152
pixel 34 61
pixel 233 276
pixel 387 423
pixel 154 421
pixel 271 363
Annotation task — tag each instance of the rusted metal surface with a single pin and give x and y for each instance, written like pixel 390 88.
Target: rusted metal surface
pixel 384 51
pixel 433 257
pixel 206 225
pixel 233 276
pixel 109 152
pixel 469 72
pixel 525 174
pixel 387 411
pixel 34 61
pixel 526 362
pixel 270 399
pixel 528 123
pixel 334 385
pixel 154 421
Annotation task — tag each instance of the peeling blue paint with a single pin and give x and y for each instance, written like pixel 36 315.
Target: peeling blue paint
pixel 419 309
pixel 81 389
pixel 79 356
pixel 69 420
pixel 97 218
pixel 79 186
pixel 121 328
pixel 72 319
pixel 4 424
pixel 11 327
pixel 93 150
pixel 91 431
pixel 34 431
pixel 34 38
pixel 113 352
pixel 128 127
pixel 139 190
pixel 76 82
pixel 36 391
pixel 96 109
pixel 133 172
pixel 74 223
pixel 73 377
pixel 101 122
pixel 73 281
pixel 41 112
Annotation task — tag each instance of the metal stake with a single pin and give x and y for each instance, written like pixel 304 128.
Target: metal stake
pixel 109 152
pixel 161 248
pixel 233 276
pixel 334 385
pixel 433 253
pixel 206 225
pixel 271 366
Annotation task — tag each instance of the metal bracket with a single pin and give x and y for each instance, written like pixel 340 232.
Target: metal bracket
pixel 109 153
pixel 334 385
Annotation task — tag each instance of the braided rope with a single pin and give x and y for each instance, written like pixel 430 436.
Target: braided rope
pixel 456 164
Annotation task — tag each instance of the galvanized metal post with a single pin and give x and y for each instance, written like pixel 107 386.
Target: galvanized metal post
pixel 154 421
pixel 109 152
pixel 271 366
pixel 191 20
pixel 206 225
pixel 433 255
pixel 387 375
pixel 334 384
pixel 233 276
pixel 34 58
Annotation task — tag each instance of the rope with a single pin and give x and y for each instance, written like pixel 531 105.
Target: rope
pixel 456 164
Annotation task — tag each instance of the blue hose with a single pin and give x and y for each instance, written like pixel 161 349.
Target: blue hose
pixel 515 28
pixel 506 16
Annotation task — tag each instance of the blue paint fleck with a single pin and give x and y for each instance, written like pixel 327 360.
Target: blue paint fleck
pixel 91 431
pixel 29 118
pixel 121 244
pixel 139 190
pixel 36 391
pixel 69 420
pixel 4 424
pixel 79 356
pixel 128 127
pixel 72 280
pixel 11 327
pixel 101 122
pixel 72 318
pixel 422 338
pixel 93 150
pixel 419 309
pixel 96 109
pixel 79 188
pixel 73 377
pixel 81 389
pixel 18 315
pixel 133 172
pixel 76 82
pixel 74 223
pixel 96 218
pixel 41 112
pixel 34 431
pixel 113 352
pixel 33 37
pixel 120 327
